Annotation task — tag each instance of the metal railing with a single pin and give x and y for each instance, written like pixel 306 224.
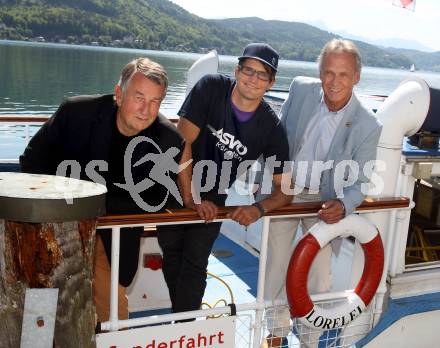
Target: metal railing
pixel 27 121
pixel 184 216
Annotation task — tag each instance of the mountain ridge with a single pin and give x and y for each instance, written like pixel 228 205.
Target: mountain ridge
pixel 163 25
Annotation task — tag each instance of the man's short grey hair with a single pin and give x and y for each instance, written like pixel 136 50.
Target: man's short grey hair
pixel 340 46
pixel 151 70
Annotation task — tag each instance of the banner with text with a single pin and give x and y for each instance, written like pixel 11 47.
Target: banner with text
pixel 212 333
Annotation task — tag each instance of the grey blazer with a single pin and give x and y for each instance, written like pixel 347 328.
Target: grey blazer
pixel 356 139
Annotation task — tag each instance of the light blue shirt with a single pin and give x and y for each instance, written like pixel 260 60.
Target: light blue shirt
pixel 315 144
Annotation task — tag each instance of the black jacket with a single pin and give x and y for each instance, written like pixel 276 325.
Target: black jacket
pixel 81 130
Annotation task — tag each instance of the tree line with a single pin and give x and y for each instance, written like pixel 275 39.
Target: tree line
pixel 163 25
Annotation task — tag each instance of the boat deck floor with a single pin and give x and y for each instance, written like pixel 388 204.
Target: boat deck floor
pixel 233 265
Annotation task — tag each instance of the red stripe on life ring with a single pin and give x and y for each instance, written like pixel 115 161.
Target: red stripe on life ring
pixel 374 258
pixel 296 281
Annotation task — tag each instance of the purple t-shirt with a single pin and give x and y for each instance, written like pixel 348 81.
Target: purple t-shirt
pixel 242 116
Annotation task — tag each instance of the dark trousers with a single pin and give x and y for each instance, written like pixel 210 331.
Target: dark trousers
pixel 186 249
pixel 128 251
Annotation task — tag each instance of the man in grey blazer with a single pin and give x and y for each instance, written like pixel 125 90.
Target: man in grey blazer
pixel 332 141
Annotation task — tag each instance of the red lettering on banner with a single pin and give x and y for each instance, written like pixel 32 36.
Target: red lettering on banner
pixel 199 338
pixel 188 342
pixel 220 334
pixel 192 342
pixel 210 338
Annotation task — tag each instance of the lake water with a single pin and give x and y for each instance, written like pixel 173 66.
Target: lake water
pixel 36 77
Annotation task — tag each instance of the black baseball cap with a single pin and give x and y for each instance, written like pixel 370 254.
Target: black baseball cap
pixel 262 52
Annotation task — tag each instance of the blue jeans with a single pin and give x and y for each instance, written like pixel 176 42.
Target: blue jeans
pixel 186 249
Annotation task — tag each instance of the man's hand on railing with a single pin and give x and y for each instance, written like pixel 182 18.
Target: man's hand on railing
pixel 245 215
pixel 332 211
pixel 207 210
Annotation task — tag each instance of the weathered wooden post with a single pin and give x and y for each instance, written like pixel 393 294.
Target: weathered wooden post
pixel 47 234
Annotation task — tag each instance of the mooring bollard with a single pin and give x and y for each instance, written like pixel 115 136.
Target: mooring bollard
pixel 47 234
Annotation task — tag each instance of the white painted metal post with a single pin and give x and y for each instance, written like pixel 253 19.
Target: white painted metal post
pixel 116 234
pixel 390 240
pixel 26 133
pixel 260 286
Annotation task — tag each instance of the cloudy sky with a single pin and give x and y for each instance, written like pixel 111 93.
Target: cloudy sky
pixel 371 19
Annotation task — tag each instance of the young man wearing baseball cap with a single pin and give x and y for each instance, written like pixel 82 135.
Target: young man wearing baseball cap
pixel 227 126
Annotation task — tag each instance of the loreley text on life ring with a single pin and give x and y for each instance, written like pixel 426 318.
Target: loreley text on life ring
pixel 300 303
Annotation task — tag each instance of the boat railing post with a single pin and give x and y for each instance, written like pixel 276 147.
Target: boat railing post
pixel 406 189
pixel 390 238
pixel 116 234
pixel 26 133
pixel 260 287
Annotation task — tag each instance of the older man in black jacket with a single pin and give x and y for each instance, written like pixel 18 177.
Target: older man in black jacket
pixel 103 138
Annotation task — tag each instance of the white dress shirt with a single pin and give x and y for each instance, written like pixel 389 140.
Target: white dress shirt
pixel 315 145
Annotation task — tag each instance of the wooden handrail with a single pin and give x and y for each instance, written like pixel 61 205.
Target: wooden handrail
pixel 24 118
pixel 183 215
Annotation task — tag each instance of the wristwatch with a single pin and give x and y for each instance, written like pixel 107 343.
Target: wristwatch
pixel 342 204
pixel 260 208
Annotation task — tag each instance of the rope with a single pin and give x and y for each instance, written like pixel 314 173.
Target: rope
pixel 220 301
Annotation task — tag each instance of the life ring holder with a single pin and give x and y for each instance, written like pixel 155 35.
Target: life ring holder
pixel 300 303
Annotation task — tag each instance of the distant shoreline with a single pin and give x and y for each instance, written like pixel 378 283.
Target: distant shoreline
pixel 183 54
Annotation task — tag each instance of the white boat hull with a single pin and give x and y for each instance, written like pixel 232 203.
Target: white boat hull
pixel 413 331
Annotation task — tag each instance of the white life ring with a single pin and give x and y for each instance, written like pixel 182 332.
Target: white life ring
pixel 301 305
